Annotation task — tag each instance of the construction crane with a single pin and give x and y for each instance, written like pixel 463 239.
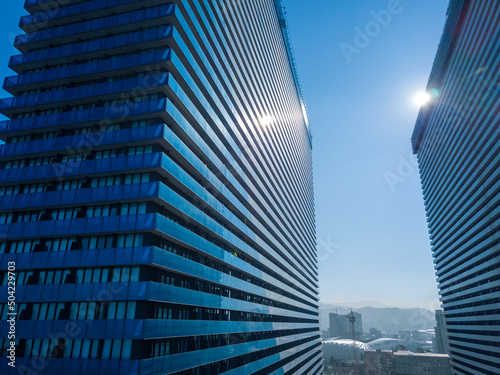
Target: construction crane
pixel 352 319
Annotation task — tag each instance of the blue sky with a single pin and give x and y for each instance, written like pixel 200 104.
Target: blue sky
pixel 372 234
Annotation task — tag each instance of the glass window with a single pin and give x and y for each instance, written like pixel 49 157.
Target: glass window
pixel 138 240
pixel 44 348
pixel 43 311
pixel 104 275
pixel 111 310
pixel 117 346
pixel 106 349
pixel 76 348
pixel 101 243
pixel 57 277
pixel 125 275
pixel 88 275
pixel 73 310
pixel 127 346
pixel 120 240
pixel 124 209
pixel 79 275
pixel 71 241
pixel 65 275
pixel 129 240
pixel 133 209
pixel 82 311
pixel 20 278
pixel 27 352
pixel 22 308
pixel 85 242
pixel 64 244
pixel 68 348
pixel 50 277
pixel 36 347
pixel 134 276
pixel 91 310
pixel 85 349
pixel 60 307
pixel 110 241
pixel 51 311
pixel 131 310
pixel 116 275
pixel 120 310
pixel 95 348
pixel 90 211
pixel 36 308
pixel 97 275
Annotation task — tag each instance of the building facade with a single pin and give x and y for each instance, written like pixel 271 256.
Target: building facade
pixel 156 197
pixel 457 141
pixel 340 325
pixel 440 342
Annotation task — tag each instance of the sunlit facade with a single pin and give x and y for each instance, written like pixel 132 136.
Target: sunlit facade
pixel 156 191
pixel 457 140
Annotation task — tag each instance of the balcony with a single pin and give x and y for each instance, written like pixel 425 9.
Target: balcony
pixel 83 94
pixel 153 37
pixel 97 28
pixel 85 72
pixel 39 19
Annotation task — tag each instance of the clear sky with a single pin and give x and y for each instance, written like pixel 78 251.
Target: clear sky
pixel 372 234
pixel 371 227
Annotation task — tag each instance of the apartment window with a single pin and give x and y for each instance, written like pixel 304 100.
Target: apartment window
pixel 9 190
pixel 129 240
pixel 6 218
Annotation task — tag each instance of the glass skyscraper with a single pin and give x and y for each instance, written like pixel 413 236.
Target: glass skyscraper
pixel 156 196
pixel 457 140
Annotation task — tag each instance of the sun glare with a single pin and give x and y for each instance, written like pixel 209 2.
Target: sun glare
pixel 422 98
pixel 266 120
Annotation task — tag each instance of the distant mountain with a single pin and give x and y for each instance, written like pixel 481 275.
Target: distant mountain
pixel 356 304
pixel 387 319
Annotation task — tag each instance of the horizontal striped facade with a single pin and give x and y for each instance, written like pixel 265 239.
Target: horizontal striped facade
pixel 156 191
pixel 457 139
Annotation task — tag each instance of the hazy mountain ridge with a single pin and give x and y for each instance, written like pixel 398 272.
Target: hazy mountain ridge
pixel 387 319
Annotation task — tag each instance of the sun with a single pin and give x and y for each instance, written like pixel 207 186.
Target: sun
pixel 422 98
